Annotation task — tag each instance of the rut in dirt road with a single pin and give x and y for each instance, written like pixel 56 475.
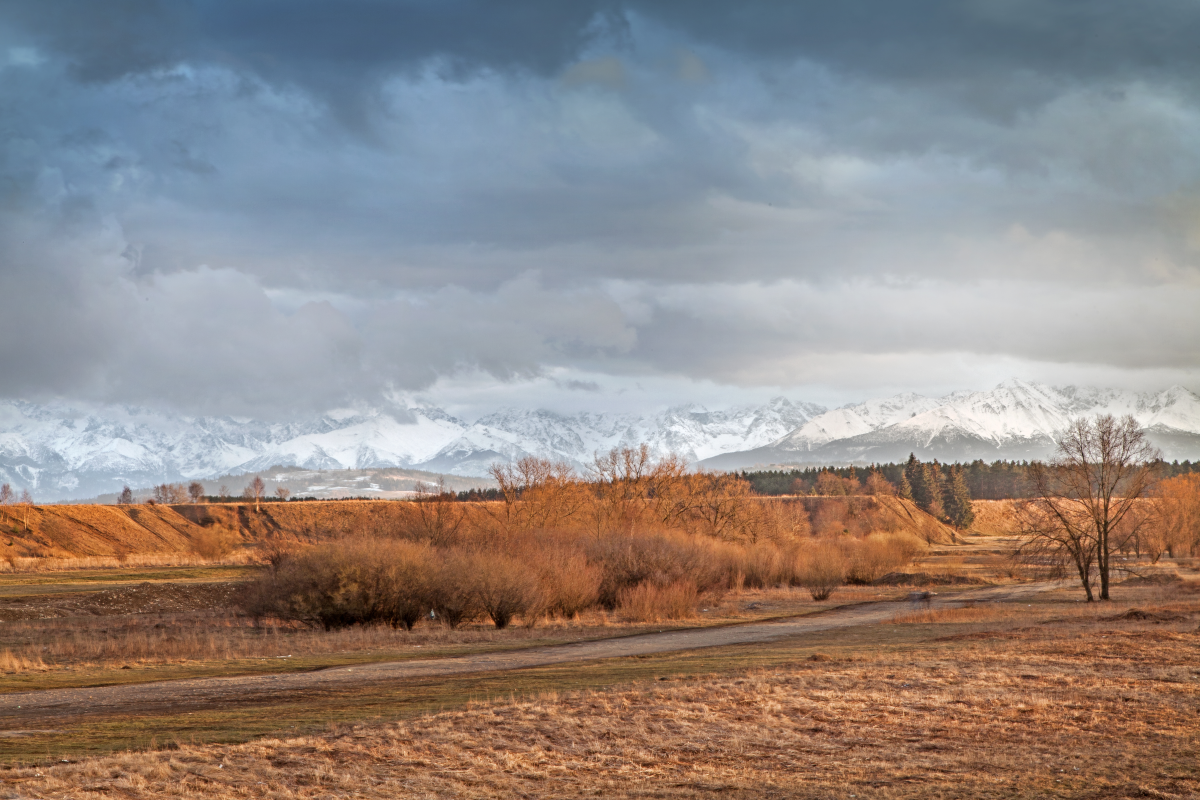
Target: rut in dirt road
pixel 19 709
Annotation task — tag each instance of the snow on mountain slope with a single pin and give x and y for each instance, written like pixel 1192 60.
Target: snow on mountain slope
pixel 372 439
pixel 855 420
pixel 1020 410
pixel 696 433
pixel 690 431
pixel 1016 420
pixel 61 452
pixel 1013 409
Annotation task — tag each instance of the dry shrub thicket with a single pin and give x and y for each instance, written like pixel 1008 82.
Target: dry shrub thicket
pixel 1178 533
pixel 642 537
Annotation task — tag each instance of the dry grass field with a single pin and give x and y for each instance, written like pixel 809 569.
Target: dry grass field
pixel 145 632
pixel 1054 699
pixel 1045 696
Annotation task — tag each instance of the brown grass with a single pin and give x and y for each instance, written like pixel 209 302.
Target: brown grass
pixel 78 646
pixel 175 639
pixel 131 561
pixel 995 517
pixel 1091 708
pixel 647 602
pixel 119 532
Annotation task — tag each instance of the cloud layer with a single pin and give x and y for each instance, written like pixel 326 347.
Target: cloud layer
pixel 269 207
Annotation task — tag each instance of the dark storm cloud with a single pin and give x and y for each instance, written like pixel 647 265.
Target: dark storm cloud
pixel 307 40
pixel 322 200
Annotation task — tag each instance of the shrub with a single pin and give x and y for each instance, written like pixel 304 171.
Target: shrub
pixel 405 582
pixel 569 583
pixel 875 556
pixel 502 586
pixel 649 603
pixel 452 596
pixel 346 583
pixel 821 568
pixel 215 542
pixel 762 565
pixel 626 561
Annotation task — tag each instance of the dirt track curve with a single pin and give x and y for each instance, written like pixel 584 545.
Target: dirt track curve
pixel 19 709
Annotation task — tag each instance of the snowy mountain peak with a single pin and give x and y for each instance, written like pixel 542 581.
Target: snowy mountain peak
pixel 1017 419
pixel 59 451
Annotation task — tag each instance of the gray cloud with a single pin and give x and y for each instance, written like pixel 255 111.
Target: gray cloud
pixel 259 206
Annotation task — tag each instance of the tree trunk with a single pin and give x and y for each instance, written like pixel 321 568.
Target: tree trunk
pixel 1085 577
pixel 1102 560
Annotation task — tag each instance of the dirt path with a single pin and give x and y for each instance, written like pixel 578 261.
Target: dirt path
pixel 48 707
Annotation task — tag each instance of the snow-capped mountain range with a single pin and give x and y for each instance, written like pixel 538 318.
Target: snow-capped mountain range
pixel 61 452
pixel 1016 420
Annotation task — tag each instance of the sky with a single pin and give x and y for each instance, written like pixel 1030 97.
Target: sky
pixel 270 208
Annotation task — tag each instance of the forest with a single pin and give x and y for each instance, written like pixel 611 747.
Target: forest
pixel 999 480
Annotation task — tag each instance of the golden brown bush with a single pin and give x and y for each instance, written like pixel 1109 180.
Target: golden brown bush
pixel 647 602
pixel 875 556
pixel 569 582
pixel 763 565
pixel 821 567
pixel 661 559
pixel 502 585
pixel 452 596
pixel 215 542
pixel 1179 502
pixel 338 584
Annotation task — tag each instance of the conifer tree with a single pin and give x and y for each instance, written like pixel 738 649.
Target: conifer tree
pixel 904 490
pixel 914 476
pixel 957 500
pixel 933 491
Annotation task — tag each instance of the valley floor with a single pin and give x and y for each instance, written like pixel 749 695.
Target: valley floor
pixel 1050 699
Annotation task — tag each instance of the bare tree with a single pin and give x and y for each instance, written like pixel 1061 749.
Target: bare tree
pixel 255 491
pixel 125 497
pixel 196 491
pixel 223 492
pixel 720 504
pixel 538 494
pixel 283 493
pixel 632 487
pixel 170 493
pixel 1085 500
pixel 26 502
pixel 6 494
pixel 438 511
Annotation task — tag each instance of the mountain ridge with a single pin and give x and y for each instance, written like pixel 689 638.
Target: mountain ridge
pixel 61 452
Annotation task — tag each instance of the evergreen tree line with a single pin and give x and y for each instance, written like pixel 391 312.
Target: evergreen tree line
pixel 999 480
pixel 940 490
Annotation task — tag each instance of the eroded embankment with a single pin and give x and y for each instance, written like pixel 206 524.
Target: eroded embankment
pixel 66 531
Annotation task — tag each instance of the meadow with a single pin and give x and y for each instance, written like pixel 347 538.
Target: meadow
pixel 1029 693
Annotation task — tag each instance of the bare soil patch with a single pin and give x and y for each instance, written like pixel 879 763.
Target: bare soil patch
pixel 929 579
pixel 143 598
